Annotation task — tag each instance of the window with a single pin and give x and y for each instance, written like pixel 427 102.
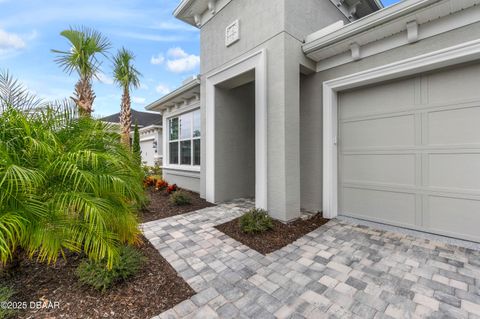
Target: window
pixel 184 139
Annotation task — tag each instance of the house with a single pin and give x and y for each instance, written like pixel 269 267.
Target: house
pixel 150 129
pixel 343 107
pixel 180 111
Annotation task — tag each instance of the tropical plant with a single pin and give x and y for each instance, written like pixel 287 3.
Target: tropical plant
pixel 255 221
pixel 66 182
pixel 97 275
pixel 137 151
pixel 127 77
pixel 83 58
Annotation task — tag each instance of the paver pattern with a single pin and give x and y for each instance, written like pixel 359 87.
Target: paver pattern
pixel 340 270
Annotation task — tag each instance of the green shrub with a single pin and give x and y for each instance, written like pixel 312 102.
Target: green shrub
pixel 66 182
pixel 180 198
pixel 97 275
pixel 5 294
pixel 255 221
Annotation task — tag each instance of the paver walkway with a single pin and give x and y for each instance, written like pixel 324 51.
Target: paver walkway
pixel 340 270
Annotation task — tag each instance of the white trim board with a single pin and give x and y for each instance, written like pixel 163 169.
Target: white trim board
pixel 257 62
pixel 465 52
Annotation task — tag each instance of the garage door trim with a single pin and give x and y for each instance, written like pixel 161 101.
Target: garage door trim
pixel 465 52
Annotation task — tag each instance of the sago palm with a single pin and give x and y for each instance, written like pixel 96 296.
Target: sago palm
pixel 66 182
pixel 83 58
pixel 127 77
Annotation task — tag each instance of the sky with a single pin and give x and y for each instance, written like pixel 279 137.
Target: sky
pixel 166 49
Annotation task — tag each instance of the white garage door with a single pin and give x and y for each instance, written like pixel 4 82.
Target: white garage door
pixel 409 152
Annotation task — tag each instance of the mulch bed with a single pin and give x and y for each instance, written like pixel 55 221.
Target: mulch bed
pixel 160 206
pixel 154 289
pixel 280 236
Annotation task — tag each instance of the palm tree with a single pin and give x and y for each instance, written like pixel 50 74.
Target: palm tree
pixel 82 58
pixel 126 76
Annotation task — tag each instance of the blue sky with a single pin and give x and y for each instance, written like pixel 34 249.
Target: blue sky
pixel 167 50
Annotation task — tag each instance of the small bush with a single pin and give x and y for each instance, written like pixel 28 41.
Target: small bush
pixel 97 275
pixel 255 221
pixel 149 181
pixel 180 198
pixel 161 185
pixel 172 188
pixel 5 294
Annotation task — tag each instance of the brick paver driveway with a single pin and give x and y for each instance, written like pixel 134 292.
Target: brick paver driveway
pixel 340 270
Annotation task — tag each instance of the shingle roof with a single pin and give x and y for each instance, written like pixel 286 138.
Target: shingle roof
pixel 143 119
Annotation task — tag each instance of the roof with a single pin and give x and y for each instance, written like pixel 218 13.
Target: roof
pixel 143 119
pixel 189 89
pixel 197 12
pixel 379 25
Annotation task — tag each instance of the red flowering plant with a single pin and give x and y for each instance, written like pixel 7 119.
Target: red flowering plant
pixel 161 185
pixel 149 181
pixel 172 188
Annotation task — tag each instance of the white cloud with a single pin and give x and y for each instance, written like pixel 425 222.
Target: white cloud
pixel 138 100
pixel 10 42
pixel 159 59
pixel 177 53
pixel 181 61
pixel 162 89
pixel 103 78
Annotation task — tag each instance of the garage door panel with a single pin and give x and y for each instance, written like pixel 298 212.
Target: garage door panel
pixel 454 127
pixel 418 163
pixel 378 205
pixel 455 85
pixel 379 132
pixel 458 172
pixel 386 98
pixel 392 169
pixel 454 216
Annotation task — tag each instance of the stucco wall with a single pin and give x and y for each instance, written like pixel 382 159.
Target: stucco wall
pixel 235 142
pixel 263 26
pixel 183 179
pixel 311 104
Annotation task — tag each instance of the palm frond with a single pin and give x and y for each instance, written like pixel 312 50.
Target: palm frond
pixel 125 74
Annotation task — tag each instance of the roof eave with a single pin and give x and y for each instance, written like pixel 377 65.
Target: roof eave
pixel 179 12
pixel 368 22
pixel 164 99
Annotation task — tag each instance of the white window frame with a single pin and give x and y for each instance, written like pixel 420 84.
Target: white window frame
pixel 180 166
pixel 465 52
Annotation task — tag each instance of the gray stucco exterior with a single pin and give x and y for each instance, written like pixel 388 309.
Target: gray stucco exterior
pixel 279 28
pixel 311 56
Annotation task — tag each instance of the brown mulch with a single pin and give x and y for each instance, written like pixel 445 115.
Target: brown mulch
pixel 280 236
pixel 154 289
pixel 160 206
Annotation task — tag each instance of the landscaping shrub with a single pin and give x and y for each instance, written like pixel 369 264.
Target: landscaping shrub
pixel 97 275
pixel 161 185
pixel 66 182
pixel 136 149
pixel 172 188
pixel 255 221
pixel 180 198
pixel 5 294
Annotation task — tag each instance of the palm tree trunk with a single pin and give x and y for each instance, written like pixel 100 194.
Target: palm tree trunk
pixel 126 117
pixel 84 96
